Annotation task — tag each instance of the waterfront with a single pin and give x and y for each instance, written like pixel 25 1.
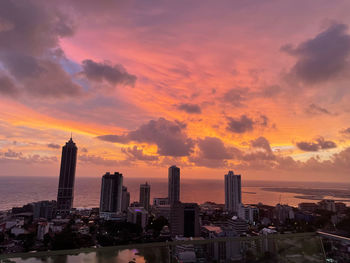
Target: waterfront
pixel 17 191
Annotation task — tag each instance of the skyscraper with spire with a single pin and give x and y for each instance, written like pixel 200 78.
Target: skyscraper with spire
pixel 65 193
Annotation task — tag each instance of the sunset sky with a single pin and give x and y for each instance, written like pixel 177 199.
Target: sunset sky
pixel 258 87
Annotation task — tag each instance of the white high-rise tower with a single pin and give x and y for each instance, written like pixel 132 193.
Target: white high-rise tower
pixel 233 193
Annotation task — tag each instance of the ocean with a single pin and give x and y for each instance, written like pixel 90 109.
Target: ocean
pixel 17 191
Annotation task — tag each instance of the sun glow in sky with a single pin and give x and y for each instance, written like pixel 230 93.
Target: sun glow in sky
pixel 258 87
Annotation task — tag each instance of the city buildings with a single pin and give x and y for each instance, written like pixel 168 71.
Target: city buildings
pixel 248 213
pixel 111 195
pixel 283 212
pixel 239 225
pixel 328 205
pixel 125 199
pixel 173 184
pixel 308 207
pixel 65 193
pixel 160 201
pixel 44 209
pixel 145 195
pixel 233 193
pixel 184 220
pixel 138 215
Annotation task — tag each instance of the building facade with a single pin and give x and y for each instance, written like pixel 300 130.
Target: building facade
pixel 125 199
pixel 111 195
pixel 145 196
pixel 138 216
pixel 160 201
pixel 233 192
pixel 44 209
pixel 65 193
pixel 184 220
pixel 173 184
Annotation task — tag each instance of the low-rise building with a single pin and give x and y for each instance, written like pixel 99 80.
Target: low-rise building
pixel 43 229
pixel 138 215
pixel 308 207
pixel 328 205
pixel 160 201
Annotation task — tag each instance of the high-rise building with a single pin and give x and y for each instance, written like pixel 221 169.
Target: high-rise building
pixel 65 194
pixel 125 199
pixel 111 195
pixel 145 195
pixel 174 184
pixel 233 193
pixel 184 219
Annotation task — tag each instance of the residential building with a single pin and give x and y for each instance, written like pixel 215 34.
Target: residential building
pixel 308 207
pixel 233 193
pixel 160 201
pixel 44 209
pixel 125 199
pixel 145 195
pixel 111 195
pixel 328 205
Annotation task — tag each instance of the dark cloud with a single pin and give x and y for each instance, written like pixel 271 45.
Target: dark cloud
pixel 137 154
pixel 12 154
pixel 315 109
pixel 114 74
pixel 27 47
pixel 246 124
pixel 213 153
pixel 33 27
pixel 53 146
pixel 308 146
pixel 169 137
pixel 262 143
pixel 260 151
pixel 263 121
pixel 323 57
pixel 98 160
pixel 318 144
pixel 240 125
pixel 7 87
pixel 213 148
pixel 19 158
pixel 114 138
pixel 235 97
pixel 345 131
pixel 190 108
pixel 84 150
pixel 270 91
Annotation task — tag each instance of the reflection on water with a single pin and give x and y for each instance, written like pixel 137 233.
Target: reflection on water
pixel 142 255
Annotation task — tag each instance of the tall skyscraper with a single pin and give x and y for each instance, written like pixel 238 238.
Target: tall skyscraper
pixel 233 193
pixel 145 192
pixel 125 199
pixel 65 193
pixel 111 195
pixel 174 184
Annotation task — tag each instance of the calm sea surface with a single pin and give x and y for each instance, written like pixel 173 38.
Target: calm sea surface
pixel 17 191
